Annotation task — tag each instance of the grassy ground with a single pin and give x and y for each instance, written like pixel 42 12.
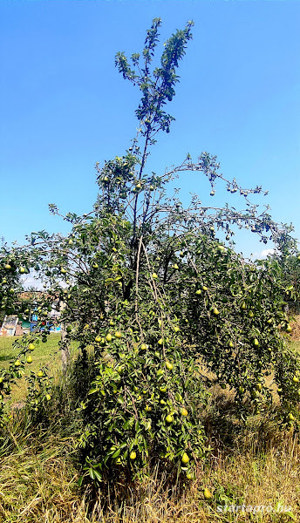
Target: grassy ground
pixel 295 345
pixel 45 354
pixel 39 479
pixel 39 484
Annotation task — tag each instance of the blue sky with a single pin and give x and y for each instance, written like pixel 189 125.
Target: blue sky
pixel 64 106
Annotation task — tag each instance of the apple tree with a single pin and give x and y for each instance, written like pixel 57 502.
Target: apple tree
pixel 155 295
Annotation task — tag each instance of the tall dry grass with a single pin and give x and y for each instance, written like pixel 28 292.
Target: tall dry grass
pixel 39 482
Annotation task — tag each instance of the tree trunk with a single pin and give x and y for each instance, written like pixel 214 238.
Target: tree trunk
pixel 65 350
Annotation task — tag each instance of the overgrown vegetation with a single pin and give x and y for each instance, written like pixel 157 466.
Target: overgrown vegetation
pixel 182 355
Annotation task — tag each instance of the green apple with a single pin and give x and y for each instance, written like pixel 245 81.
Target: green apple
pixel 132 455
pixel 31 346
pixel 184 412
pixel 215 311
pixel 169 418
pixel 118 334
pixel 185 459
pixel 169 365
pixel 108 337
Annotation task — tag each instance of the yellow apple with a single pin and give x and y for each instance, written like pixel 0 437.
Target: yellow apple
pixel 207 494
pixel 185 459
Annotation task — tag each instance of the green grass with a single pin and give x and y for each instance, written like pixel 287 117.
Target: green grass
pixel 295 345
pixel 44 355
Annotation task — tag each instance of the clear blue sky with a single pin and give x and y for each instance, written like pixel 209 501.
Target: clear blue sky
pixel 64 106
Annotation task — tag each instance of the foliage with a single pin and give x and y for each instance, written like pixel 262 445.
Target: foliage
pixel 13 263
pixel 289 264
pixel 152 296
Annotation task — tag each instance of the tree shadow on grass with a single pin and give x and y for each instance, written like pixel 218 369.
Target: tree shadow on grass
pixel 7 357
